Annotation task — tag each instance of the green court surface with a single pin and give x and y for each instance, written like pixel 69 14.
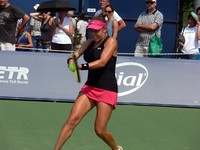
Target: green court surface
pixel 28 125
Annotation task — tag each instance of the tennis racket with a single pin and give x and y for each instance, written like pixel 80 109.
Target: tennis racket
pixel 76 72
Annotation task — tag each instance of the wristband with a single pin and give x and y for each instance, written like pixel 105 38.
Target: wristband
pixel 68 60
pixel 85 66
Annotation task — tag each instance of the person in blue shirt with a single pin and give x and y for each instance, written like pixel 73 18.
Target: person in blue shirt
pixel 24 40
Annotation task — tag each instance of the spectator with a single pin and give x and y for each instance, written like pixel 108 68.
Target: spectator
pixel 23 39
pixel 81 29
pixel 198 14
pixel 148 24
pixel 9 15
pixel 112 25
pixel 62 31
pixel 46 24
pixel 103 4
pixel 35 29
pixel 191 34
pixel 70 14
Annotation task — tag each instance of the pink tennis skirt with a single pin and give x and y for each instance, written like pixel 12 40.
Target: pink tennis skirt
pixel 100 95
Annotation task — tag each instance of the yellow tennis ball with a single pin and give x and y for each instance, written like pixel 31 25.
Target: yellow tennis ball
pixel 72 67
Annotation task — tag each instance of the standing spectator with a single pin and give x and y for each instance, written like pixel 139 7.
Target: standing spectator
pixel 191 34
pixel 148 24
pixel 198 14
pixel 81 29
pixel 9 15
pixel 23 39
pixel 112 25
pixel 100 89
pixel 70 14
pixel 35 29
pixel 103 4
pixel 62 31
pixel 46 24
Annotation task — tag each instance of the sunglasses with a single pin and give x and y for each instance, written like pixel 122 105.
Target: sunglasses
pixel 108 11
pixel 149 3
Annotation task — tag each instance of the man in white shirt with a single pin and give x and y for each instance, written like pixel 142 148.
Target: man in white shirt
pixel 103 4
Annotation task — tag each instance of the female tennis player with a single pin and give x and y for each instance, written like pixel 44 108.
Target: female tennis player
pixel 100 89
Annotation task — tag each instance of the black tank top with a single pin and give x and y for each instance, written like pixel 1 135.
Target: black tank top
pixel 45 31
pixel 103 78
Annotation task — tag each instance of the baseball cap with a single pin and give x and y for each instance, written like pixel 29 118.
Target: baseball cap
pixel 96 24
pixel 36 6
pixel 151 0
pixel 194 15
pixel 71 13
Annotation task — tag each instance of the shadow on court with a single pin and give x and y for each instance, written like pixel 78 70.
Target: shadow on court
pixel 27 125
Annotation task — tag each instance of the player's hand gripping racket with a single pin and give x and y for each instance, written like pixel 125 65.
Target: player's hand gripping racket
pixel 74 68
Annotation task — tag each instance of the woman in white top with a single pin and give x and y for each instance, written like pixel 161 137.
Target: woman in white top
pixel 62 30
pixel 191 34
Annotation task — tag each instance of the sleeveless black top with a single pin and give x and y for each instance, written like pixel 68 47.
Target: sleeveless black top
pixel 45 31
pixel 103 78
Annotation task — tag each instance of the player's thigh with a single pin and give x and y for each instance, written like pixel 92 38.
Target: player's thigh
pixel 81 106
pixel 104 112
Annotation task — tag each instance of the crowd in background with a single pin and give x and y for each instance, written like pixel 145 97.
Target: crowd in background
pixel 64 31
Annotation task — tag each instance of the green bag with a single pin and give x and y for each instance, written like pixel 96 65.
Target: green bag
pixel 155 46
